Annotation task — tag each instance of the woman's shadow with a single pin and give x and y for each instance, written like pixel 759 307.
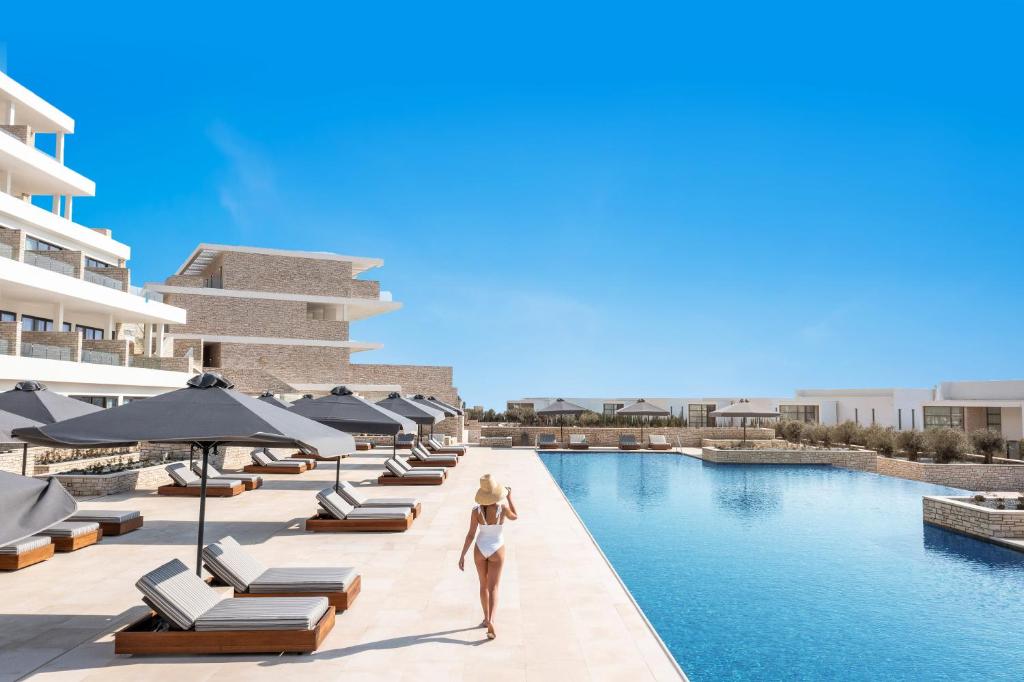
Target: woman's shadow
pixel 393 643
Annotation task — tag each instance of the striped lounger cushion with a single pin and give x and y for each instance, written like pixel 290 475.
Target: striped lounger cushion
pixel 212 473
pixel 304 579
pixel 105 515
pixel 26 545
pixel 418 471
pixel 272 613
pixel 180 474
pixel 337 507
pixel 70 529
pixel 261 459
pixel 355 497
pixel 177 594
pixel 232 564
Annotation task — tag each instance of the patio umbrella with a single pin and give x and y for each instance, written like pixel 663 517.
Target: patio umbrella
pixel 445 411
pixel 642 408
pixel 443 404
pixel 418 412
pixel 270 398
pixel 343 410
pixel 29 505
pixel 744 409
pixel 10 421
pixel 560 408
pixel 304 399
pixel 206 413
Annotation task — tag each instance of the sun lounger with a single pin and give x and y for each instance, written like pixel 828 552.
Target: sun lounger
pixel 396 475
pixel 578 441
pixel 422 458
pixel 405 466
pixel 188 484
pixel 69 536
pixel 282 455
pixel 547 441
pixel 112 521
pixel 656 442
pixel 628 442
pixel 31 550
pixel 356 498
pixel 263 464
pixel 189 617
pixel 404 441
pixel 363 445
pixel 231 564
pixel 249 481
pixel 337 515
pixel 435 446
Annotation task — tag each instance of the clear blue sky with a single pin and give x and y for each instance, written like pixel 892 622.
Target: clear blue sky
pixel 724 198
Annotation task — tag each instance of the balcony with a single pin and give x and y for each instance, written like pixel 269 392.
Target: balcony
pixel 96 277
pixel 42 259
pixel 45 351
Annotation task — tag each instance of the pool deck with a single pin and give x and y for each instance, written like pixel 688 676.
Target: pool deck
pixel 564 615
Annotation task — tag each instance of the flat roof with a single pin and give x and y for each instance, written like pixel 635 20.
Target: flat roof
pixel 31 109
pixel 205 253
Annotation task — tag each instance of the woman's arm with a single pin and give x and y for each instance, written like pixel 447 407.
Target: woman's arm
pixel 469 539
pixel 510 511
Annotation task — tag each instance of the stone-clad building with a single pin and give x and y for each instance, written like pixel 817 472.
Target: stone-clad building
pixel 278 320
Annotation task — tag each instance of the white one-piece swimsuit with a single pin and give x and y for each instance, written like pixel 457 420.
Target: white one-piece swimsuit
pixel 489 536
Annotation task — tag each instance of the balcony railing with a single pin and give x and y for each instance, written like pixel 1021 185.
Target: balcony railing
pixel 214 282
pixel 100 357
pixel 102 280
pixel 45 352
pixel 146 294
pixel 40 261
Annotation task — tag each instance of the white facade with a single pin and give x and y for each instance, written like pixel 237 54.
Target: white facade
pixel 69 316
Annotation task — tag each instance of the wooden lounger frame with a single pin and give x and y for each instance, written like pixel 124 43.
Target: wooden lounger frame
pixel 390 479
pixel 121 527
pixel 322 523
pixel 629 446
pixel 33 556
pixel 290 471
pixel 72 544
pixel 413 462
pixel 579 446
pixel 194 490
pixel 547 446
pixel 446 451
pixel 364 446
pixel 139 639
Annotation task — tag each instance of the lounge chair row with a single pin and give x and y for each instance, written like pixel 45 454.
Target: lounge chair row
pixel 405 441
pixel 84 528
pixel 578 441
pixel 399 472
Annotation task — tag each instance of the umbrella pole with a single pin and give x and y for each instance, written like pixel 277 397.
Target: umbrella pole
pixel 394 445
pixel 24 459
pixel 337 474
pixel 202 512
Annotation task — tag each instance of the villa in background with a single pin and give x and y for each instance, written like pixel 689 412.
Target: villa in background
pixel 967 405
pixel 278 320
pixel 69 316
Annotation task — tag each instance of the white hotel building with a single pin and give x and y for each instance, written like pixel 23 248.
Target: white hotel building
pixel 69 316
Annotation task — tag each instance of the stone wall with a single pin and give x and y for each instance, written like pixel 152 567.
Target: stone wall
pixel 119 347
pixel 609 436
pixel 73 258
pixel 230 316
pixel 69 340
pixel 292 364
pixel 860 460
pixel 122 275
pixel 974 477
pixel 180 364
pixel 10 337
pixel 960 515
pixel 14 239
pixel 10 460
pixel 435 380
pixel 21 132
pixel 84 485
pixel 72 464
pixel 284 274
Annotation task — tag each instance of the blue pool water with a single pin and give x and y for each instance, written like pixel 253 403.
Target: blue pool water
pixel 799 572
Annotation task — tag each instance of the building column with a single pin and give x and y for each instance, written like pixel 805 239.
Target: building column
pixel 149 340
pixel 109 334
pixel 55 207
pixel 160 340
pixel 58 151
pixel 67 207
pixel 58 318
pixel 9 113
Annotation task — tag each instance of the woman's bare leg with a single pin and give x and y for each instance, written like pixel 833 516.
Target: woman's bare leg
pixel 482 571
pixel 496 562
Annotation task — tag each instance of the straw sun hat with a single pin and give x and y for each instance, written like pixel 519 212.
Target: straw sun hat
pixel 490 492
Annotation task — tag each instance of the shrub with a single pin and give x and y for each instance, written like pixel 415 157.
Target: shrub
pixel 910 443
pixel 986 442
pixel 881 440
pixel 818 434
pixel 946 444
pixel 848 432
pixel 779 425
pixel 792 430
pixel 979 498
pixel 1020 503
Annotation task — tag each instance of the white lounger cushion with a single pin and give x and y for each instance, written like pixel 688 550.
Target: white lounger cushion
pixel 27 545
pixel 437 446
pixel 283 455
pixel 261 459
pixel 394 466
pixel 577 438
pixel 418 471
pixel 304 579
pixel 355 497
pixel 177 593
pixel 212 473
pixel 423 455
pixel 337 507
pixel 105 515
pixel 271 613
pixel 70 529
pixel 657 440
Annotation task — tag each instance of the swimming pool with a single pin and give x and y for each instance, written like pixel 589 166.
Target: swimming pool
pixel 799 572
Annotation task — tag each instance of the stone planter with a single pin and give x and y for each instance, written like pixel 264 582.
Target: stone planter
pixel 95 485
pixel 965 476
pixel 496 441
pixel 70 464
pixel 962 515
pixel 861 460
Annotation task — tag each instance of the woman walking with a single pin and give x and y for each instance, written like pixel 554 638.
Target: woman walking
pixel 494 506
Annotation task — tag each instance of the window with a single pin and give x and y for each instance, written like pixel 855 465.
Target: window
pixel 913 418
pixel 97 400
pixel 939 417
pixel 33 244
pixel 610 408
pixel 698 414
pixel 8 316
pixel 89 333
pixel 994 419
pixel 807 414
pixel 36 324
pixel 93 263
pixel 65 326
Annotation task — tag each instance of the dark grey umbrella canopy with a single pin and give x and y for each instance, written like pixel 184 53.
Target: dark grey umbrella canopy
pixel 33 400
pixel 207 410
pixel 419 413
pixel 345 411
pixel 29 505
pixel 560 407
pixel 421 399
pixel 642 408
pixel 10 421
pixel 441 403
pixel 271 399
pixel 745 408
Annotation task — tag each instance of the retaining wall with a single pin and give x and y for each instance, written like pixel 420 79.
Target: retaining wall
pixel 960 515
pixel 609 436
pixel 974 477
pixel 860 460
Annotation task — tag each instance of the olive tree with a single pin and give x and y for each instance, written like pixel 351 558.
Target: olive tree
pixel 987 443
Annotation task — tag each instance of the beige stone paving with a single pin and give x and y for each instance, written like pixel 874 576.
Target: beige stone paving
pixel 564 616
